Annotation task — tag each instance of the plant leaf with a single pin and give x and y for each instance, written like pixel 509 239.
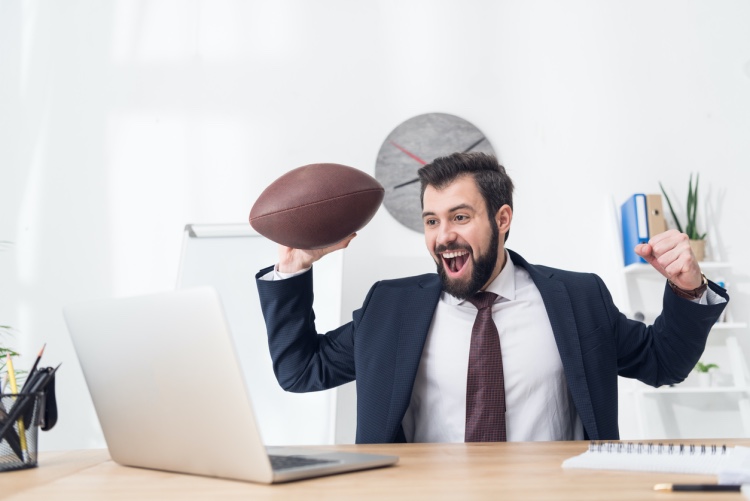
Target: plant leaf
pixel 669 203
pixel 695 208
pixel 7 351
pixel 690 230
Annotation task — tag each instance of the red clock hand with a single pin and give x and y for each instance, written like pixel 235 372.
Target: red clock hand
pixel 412 155
pixel 415 157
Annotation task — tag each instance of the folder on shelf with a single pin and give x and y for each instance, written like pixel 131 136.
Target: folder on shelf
pixel 657 223
pixel 634 227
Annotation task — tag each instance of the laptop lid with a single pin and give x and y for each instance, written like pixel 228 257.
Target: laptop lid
pixel 169 391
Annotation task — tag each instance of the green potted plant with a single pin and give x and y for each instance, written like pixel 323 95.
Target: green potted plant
pixel 697 240
pixel 704 373
pixel 4 352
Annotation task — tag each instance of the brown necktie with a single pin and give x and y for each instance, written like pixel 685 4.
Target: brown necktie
pixel 485 390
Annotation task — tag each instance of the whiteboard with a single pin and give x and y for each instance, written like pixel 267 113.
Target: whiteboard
pixel 227 257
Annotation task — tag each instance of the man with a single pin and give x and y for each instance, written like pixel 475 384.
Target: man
pixel 427 360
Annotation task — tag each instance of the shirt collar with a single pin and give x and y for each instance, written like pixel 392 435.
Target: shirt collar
pixel 504 284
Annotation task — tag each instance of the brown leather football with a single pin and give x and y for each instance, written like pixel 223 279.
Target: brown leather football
pixel 316 205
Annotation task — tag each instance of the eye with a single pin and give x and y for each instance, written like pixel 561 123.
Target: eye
pixel 461 218
pixel 430 222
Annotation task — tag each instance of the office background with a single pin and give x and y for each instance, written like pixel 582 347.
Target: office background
pixel 121 121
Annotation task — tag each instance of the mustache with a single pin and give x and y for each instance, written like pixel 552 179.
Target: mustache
pixel 452 247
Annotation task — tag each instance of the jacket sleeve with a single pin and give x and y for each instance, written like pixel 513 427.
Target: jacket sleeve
pixel 665 352
pixel 304 360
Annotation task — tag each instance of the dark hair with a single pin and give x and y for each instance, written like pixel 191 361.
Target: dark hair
pixel 493 182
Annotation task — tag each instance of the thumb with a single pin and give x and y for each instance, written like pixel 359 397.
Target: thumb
pixel 646 252
pixel 343 243
pixel 643 250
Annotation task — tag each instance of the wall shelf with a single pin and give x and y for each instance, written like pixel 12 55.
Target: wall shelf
pixel 725 326
pixel 691 390
pixel 644 287
pixel 647 269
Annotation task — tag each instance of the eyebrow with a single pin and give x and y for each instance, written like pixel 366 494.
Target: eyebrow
pixel 452 209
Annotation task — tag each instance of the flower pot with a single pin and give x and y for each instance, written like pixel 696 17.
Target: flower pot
pixel 699 249
pixel 705 379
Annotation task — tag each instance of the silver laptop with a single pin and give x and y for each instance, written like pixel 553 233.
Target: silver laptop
pixel 170 394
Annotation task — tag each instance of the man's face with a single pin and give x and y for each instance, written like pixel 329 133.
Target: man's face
pixel 461 238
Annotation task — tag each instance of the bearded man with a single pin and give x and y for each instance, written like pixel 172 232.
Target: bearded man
pixel 491 348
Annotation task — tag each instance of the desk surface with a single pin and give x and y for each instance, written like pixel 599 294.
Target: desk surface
pixel 523 470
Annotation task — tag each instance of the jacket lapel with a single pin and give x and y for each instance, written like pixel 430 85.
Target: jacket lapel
pixel 560 312
pixel 418 310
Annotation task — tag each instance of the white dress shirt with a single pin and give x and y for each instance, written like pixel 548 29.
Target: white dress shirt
pixel 538 402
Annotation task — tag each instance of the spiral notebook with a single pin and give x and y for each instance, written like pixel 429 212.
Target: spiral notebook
pixel 656 457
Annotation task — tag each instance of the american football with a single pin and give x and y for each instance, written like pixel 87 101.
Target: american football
pixel 316 205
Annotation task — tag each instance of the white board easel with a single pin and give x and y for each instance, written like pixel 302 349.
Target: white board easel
pixel 227 257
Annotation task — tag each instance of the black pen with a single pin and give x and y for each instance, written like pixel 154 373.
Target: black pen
pixel 698 487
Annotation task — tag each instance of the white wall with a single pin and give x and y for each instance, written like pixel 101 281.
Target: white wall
pixel 120 121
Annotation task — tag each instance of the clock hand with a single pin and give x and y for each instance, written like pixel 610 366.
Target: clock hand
pixel 405 184
pixel 412 155
pixel 474 145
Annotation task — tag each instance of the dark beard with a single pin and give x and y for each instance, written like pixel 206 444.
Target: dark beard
pixel 480 273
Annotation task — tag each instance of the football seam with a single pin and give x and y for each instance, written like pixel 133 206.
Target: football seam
pixel 316 203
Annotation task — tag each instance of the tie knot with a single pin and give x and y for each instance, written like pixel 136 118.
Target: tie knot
pixel 483 299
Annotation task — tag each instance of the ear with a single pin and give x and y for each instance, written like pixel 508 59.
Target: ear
pixel 503 218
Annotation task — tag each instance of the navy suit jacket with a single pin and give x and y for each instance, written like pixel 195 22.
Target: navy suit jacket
pixel 382 345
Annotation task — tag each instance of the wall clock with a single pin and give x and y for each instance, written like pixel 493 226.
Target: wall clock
pixel 414 143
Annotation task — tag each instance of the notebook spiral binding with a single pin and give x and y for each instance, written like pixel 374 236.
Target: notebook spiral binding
pixel 657 448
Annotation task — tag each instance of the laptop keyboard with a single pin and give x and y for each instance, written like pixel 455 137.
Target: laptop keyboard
pixel 287 462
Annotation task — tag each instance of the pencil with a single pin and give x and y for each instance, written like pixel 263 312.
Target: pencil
pixel 697 487
pixel 38 358
pixel 33 367
pixel 14 389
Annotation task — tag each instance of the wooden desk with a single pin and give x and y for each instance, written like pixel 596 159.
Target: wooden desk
pixel 425 471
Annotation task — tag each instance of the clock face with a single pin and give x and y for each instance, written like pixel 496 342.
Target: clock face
pixel 414 143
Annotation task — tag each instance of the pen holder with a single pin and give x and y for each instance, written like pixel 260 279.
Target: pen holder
pixel 19 429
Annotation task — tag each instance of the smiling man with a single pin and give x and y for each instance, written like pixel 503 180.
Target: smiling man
pixel 490 348
pixel 462 237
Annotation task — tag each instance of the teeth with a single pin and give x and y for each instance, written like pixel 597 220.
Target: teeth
pixel 451 255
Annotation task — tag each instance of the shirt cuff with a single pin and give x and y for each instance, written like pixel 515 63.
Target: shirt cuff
pixel 710 297
pixel 279 275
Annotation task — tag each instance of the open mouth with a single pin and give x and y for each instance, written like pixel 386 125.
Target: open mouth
pixel 454 261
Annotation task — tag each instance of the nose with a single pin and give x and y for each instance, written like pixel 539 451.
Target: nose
pixel 446 235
